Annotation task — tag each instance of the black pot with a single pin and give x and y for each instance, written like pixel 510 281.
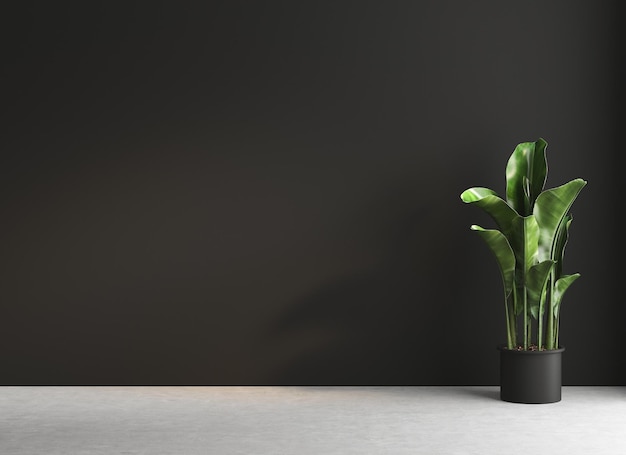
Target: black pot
pixel 530 376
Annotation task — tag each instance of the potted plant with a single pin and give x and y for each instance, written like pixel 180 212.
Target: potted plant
pixel 529 244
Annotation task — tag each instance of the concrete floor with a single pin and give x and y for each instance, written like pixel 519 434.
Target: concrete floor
pixel 307 420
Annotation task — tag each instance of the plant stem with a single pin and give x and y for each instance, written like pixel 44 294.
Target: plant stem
pixel 556 331
pixel 550 319
pixel 511 330
pixel 513 325
pixel 509 338
pixel 542 303
pixel 526 328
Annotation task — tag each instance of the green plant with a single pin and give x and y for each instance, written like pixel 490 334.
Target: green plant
pixel 533 230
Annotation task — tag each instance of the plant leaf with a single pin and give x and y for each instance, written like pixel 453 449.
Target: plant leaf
pixel 559 246
pixel 536 281
pixel 490 202
pixel 500 247
pixel 550 209
pixel 524 240
pixel 526 173
pixel 476 193
pixel 561 285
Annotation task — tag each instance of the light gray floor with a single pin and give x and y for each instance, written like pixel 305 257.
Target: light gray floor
pixel 307 420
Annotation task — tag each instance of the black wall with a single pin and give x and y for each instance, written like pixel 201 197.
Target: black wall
pixel 268 192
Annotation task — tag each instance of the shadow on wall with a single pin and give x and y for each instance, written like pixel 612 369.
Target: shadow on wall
pixel 395 323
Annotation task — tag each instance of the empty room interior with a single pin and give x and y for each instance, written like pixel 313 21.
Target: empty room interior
pixel 311 227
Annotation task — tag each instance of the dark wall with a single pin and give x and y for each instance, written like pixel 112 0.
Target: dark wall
pixel 268 192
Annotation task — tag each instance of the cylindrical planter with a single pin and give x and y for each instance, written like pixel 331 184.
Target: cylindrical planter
pixel 530 376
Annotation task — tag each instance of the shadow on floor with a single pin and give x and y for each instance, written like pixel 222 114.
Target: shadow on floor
pixel 483 393
pixel 480 392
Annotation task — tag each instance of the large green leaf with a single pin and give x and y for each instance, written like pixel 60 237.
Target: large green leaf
pixel 526 175
pixel 536 281
pixel 559 246
pixel 476 193
pixel 561 285
pixel 490 202
pixel 550 210
pixel 500 247
pixel 524 240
